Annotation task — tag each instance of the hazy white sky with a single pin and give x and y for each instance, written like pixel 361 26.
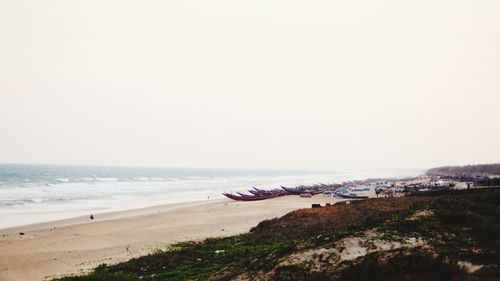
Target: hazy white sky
pixel 250 84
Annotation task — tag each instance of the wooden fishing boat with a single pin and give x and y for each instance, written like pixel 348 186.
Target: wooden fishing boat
pixel 244 195
pixel 291 190
pixel 254 192
pixel 262 192
pixel 245 198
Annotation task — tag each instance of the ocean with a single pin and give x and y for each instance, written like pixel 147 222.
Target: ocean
pixel 39 193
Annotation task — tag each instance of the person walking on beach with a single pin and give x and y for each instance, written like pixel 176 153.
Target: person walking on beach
pixel 91 216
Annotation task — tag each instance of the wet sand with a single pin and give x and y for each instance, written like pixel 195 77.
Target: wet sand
pixel 76 245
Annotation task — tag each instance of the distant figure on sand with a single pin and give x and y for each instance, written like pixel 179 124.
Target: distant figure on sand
pixel 91 216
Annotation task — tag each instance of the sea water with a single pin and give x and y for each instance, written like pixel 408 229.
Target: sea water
pixel 39 193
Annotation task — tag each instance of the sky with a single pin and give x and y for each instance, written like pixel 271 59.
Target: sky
pixel 250 84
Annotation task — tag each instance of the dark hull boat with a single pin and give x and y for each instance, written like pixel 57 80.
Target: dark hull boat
pixel 272 192
pixel 254 192
pixel 292 190
pixel 244 195
pixel 245 198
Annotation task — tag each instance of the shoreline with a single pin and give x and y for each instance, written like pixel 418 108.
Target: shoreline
pixel 75 245
pixel 106 216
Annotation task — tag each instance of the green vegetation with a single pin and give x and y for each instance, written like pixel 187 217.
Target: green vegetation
pixel 224 257
pixel 460 227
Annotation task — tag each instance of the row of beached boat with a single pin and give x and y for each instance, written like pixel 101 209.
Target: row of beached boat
pixel 429 187
pixel 303 190
pixel 256 194
pixel 350 190
pixel 262 194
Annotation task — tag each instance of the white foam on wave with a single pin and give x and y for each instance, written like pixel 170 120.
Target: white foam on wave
pixel 86 179
pixel 157 179
pixel 110 179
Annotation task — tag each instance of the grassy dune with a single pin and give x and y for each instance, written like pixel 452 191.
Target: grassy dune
pixel 454 236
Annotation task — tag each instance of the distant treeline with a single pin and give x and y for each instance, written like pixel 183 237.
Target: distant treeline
pixel 484 169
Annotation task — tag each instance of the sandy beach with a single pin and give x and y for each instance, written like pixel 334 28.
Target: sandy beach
pixel 75 245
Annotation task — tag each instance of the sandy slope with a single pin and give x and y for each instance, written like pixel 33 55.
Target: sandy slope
pixel 80 244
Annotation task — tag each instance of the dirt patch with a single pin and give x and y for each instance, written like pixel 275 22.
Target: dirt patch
pixel 307 222
pixel 312 259
pixel 353 248
pixel 421 214
pixel 347 249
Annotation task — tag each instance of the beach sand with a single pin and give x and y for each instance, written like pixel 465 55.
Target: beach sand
pixel 76 245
